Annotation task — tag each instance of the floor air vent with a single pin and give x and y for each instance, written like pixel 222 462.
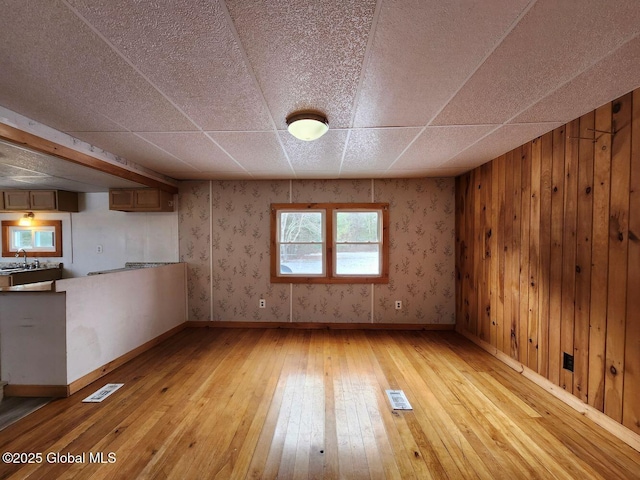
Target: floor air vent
pixel 103 393
pixel 398 400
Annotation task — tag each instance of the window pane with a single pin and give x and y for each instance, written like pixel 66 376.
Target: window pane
pixel 301 227
pixel 22 239
pixel 358 259
pixel 44 239
pixel 357 227
pixel 301 258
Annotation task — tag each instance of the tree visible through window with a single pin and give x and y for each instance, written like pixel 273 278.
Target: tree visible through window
pixel 329 243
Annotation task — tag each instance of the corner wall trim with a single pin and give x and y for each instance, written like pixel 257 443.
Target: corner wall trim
pixel 596 416
pixel 322 326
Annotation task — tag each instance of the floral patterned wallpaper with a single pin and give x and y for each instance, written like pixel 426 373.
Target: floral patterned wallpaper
pixel 224 237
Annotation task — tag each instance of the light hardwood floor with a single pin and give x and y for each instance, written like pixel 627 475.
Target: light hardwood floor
pixel 254 403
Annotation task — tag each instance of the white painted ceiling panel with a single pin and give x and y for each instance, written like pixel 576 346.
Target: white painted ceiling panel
pixel 55 108
pixel 129 145
pixel 499 142
pixel 593 86
pixel 202 89
pixel 187 49
pixel 375 149
pixel 422 52
pixel 255 151
pixel 553 43
pixel 306 55
pixel 323 155
pixel 436 145
pixel 196 149
pixel 59 47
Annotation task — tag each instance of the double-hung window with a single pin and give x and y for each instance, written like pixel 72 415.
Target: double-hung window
pixel 329 243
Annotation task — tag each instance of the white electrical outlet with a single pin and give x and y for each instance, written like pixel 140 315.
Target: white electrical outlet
pixel 398 304
pixel 263 303
pixel 99 249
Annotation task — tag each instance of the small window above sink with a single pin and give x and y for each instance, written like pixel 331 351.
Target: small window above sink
pixel 42 238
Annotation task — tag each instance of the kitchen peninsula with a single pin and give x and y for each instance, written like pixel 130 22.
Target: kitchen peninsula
pixel 57 337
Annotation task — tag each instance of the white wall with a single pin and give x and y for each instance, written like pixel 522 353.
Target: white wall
pixel 108 316
pixel 125 237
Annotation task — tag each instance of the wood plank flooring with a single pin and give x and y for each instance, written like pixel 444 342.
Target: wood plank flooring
pixel 294 404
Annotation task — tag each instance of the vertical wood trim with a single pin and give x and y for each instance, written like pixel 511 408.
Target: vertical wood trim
pixel 507 331
pixel 485 326
pixel 516 248
pixel 583 258
pixel 478 246
pixel 618 257
pixel 534 254
pixel 631 403
pixel 524 251
pixel 599 257
pixel 460 235
pixel 569 248
pixel 545 254
pixel 555 270
pixel 469 257
pixel 494 256
pixel 500 317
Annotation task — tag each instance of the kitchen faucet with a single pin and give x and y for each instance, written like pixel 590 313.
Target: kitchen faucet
pixel 25 265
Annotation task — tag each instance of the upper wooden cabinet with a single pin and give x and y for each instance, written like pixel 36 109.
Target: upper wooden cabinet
pixel 140 200
pixel 40 200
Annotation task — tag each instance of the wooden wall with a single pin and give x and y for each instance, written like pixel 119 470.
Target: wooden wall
pixel 548 256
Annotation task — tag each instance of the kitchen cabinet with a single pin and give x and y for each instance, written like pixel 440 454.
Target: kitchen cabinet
pixel 39 200
pixel 17 200
pixel 140 200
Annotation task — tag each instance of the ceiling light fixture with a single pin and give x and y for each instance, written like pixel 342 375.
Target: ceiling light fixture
pixel 26 219
pixel 307 126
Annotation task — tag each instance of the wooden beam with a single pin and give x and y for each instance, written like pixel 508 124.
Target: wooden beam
pixel 39 144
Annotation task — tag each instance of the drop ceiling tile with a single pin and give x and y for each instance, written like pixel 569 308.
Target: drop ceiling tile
pixel 195 149
pixel 503 140
pixel 322 155
pixel 254 150
pixel 590 89
pixel 436 145
pixel 374 149
pixel 47 42
pixel 52 107
pixel 305 54
pixel 15 182
pixel 431 172
pixel 8 170
pixel 188 50
pixel 217 175
pixel 56 183
pixel 422 52
pixel 95 177
pixel 134 148
pixel 325 190
pixel 553 43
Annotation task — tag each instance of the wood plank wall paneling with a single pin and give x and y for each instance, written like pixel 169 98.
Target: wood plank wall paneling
pixel 618 257
pixel 631 399
pixel 599 256
pixel 548 257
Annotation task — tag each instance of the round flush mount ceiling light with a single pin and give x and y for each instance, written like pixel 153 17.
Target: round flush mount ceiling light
pixel 307 126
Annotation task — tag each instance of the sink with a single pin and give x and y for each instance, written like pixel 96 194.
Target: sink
pixel 19 275
pixel 11 269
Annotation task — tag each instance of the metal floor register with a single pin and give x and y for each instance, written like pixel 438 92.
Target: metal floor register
pixel 398 400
